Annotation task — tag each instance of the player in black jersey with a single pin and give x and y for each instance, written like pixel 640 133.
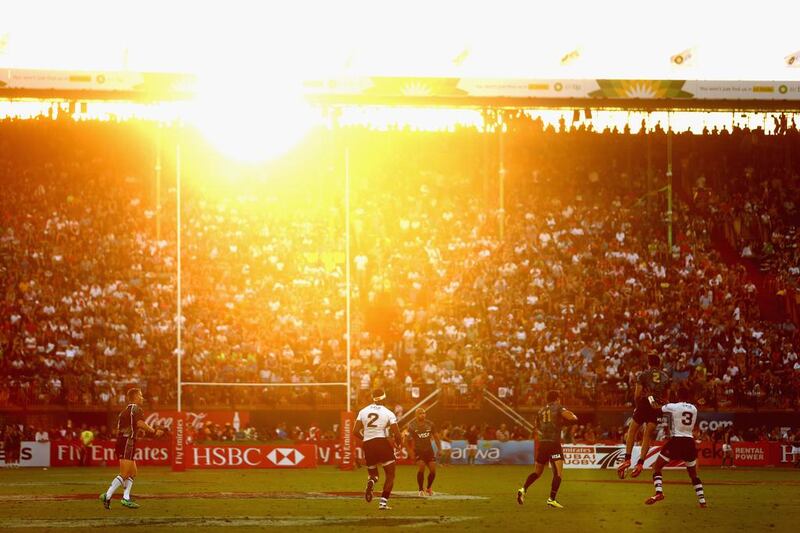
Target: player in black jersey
pixel 549 421
pixel 421 431
pixel 130 421
pixel 651 382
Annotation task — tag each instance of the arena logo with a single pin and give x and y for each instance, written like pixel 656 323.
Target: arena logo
pixel 713 425
pixel 610 457
pixel 490 454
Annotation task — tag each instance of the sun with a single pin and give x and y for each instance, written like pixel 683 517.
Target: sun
pixel 251 120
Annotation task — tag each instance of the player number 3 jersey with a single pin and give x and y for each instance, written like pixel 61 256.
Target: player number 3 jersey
pixel 682 418
pixel 376 420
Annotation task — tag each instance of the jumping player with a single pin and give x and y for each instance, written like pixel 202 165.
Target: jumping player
pixel 651 382
pixel 373 425
pixel 549 421
pixel 421 431
pixel 680 446
pixel 130 421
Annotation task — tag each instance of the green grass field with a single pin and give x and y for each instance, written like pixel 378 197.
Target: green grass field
pixel 470 498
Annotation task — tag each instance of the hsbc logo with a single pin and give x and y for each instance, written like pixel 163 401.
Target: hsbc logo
pixel 285 457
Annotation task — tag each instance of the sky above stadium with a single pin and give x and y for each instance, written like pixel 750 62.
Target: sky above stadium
pixel 235 39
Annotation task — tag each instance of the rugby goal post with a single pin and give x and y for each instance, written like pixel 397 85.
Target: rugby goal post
pixel 179 462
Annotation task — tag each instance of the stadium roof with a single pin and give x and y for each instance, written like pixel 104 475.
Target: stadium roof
pixel 261 44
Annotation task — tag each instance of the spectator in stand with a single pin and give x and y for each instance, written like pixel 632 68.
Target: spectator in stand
pixel 86 439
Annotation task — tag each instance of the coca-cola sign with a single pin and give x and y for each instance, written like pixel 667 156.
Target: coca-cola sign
pixel 195 420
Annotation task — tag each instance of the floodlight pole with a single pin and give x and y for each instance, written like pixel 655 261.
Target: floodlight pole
pixel 347 263
pixel 669 185
pixel 501 215
pixel 158 184
pixel 179 326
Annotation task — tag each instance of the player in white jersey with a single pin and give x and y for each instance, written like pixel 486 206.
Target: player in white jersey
pixel 373 424
pixel 680 446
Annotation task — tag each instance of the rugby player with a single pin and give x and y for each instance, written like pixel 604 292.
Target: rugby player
pixel 129 422
pixel 680 446
pixel 651 382
pixel 373 425
pixel 447 445
pixel 421 432
pixel 549 421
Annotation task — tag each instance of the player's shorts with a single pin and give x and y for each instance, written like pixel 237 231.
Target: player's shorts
pixel 126 448
pixel 446 445
pixel 547 451
pixel 680 449
pixel 425 456
pixel 645 414
pixel 378 451
pixel 472 446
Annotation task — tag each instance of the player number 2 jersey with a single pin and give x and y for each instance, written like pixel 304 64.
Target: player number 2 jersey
pixel 376 420
pixel 682 418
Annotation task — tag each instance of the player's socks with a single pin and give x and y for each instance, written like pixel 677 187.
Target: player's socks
pixel 698 489
pixel 431 477
pixel 370 487
pixel 117 483
pixel 658 482
pixel 420 479
pixel 528 482
pixel 128 485
pixel 554 487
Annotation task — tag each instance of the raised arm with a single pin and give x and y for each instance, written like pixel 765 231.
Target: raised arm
pixel 569 416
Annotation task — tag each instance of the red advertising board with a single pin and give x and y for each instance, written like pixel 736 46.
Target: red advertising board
pixel 179 443
pixel 347 459
pixel 102 453
pixel 750 453
pixel 709 454
pixel 289 456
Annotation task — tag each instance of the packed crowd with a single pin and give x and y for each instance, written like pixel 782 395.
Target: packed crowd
pixel 567 287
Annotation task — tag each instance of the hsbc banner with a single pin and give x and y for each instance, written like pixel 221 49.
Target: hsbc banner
pixel 102 453
pixel 30 454
pixel 290 456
